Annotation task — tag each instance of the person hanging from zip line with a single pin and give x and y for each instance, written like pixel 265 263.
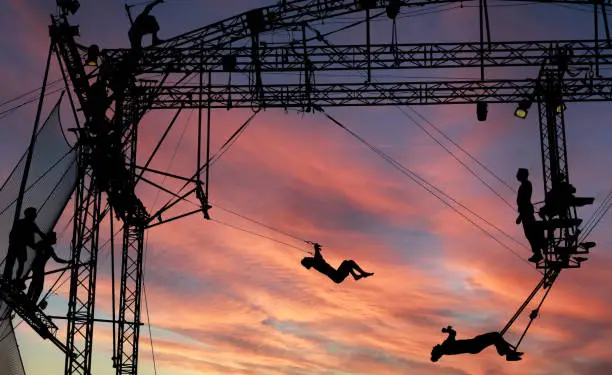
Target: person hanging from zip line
pixel 44 252
pixel 144 24
pixel 534 231
pixel 452 346
pixel 336 275
pixel 21 236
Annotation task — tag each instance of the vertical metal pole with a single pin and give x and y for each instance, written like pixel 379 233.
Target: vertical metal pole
pixel 368 41
pixel 596 27
pixel 112 251
pixel 67 86
pixel 200 105
pixel 480 18
pixel 208 132
pixel 26 170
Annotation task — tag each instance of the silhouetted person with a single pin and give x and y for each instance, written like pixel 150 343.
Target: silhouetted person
pixel 452 346
pixel 531 227
pixel 98 103
pixel 144 24
pixel 347 267
pixel 20 237
pixel 559 199
pixel 44 251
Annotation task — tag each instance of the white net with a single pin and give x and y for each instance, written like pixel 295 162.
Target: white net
pixel 51 180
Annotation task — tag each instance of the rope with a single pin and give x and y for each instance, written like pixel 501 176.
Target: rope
pixel 259 235
pixel 421 182
pixel 597 216
pixel 449 140
pixel 547 281
pixel 260 223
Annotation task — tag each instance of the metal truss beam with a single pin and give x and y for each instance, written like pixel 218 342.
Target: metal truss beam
pixel 81 302
pixel 292 13
pixel 323 57
pixel 126 359
pixel 374 94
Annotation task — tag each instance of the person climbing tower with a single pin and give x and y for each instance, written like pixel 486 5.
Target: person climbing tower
pixel 144 24
pixel 347 267
pixel 20 237
pixel 44 251
pixel 533 229
pixel 452 346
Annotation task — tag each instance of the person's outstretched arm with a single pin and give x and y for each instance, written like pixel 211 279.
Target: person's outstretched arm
pixel 317 254
pixel 58 259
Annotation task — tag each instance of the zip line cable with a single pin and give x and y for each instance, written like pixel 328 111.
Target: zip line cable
pixel 511 188
pixel 9 101
pixel 451 153
pixel 259 235
pixel 421 182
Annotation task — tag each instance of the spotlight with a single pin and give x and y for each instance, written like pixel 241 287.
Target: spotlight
pixel 560 108
pixel 93 53
pixel 481 111
pixel 522 109
pixel 68 6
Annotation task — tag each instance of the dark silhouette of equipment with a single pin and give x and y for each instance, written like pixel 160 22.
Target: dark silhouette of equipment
pixel 115 97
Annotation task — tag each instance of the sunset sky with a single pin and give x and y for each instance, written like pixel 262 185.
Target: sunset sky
pixel 223 301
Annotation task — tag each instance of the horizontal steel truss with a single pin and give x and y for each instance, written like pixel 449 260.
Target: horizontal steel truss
pixel 324 57
pixel 289 13
pixel 369 94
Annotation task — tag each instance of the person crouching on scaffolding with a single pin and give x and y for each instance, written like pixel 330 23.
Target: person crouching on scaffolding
pixel 347 267
pixel 452 346
pixel 44 251
pixel 144 24
pixel 20 237
pixel 533 229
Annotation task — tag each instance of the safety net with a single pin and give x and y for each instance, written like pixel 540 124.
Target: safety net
pixel 51 180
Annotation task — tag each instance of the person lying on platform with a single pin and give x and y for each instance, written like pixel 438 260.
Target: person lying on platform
pixel 144 24
pixel 20 237
pixel 533 229
pixel 347 267
pixel 452 346
pixel 44 251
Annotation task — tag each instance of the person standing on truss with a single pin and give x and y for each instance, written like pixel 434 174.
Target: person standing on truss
pixel 20 237
pixel 347 267
pixel 452 346
pixel 531 227
pixel 144 24
pixel 44 251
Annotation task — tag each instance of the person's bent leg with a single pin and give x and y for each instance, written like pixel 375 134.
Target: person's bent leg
pixel 343 271
pixel 36 286
pixel 8 266
pixel 22 257
pixel 502 346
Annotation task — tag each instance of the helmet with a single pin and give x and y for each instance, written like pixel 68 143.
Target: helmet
pixel 436 353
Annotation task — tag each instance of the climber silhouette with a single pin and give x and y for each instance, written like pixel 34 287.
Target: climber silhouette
pixel 451 346
pixel 20 237
pixel 44 251
pixel 347 267
pixel 533 229
pixel 560 197
pixel 144 24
